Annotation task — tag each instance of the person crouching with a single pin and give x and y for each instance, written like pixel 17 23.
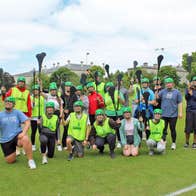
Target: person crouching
pixel 78 131
pixel 49 125
pixel 157 136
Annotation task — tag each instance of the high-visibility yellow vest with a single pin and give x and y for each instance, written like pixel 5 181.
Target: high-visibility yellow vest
pixel 50 123
pixel 21 99
pixel 77 127
pixel 104 130
pixel 35 110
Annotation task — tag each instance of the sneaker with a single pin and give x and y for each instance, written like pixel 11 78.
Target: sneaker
pixel 112 155
pixel 59 147
pixel 151 153
pixel 44 160
pixel 186 145
pixel 32 164
pixel 17 152
pixel 33 147
pixel 70 157
pixel 118 145
pixel 173 146
pixel 194 146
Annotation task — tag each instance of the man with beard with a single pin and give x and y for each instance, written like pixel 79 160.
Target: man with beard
pixel 78 131
pixel 157 136
pixel 12 134
pixel 23 100
pixel 102 132
pixel 190 124
pixel 48 126
pixel 171 105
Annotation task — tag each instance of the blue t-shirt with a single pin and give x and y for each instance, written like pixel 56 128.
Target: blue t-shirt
pixel 10 124
pixel 169 102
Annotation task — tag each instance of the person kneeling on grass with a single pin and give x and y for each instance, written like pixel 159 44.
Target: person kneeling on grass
pixel 13 135
pixel 48 126
pixel 157 136
pixel 129 133
pixel 103 132
pixel 78 131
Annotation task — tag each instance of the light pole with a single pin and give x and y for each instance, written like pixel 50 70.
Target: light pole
pixel 87 57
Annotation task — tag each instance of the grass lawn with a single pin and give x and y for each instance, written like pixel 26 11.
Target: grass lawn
pixel 100 175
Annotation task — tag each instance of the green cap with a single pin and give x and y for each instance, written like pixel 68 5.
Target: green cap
pixel 145 80
pixel 126 109
pixel 99 112
pixel 68 83
pixel 78 103
pixel 10 99
pixel 21 79
pixel 35 87
pixel 90 84
pixel 158 111
pixel 99 73
pixel 194 78
pixel 49 104
pixel 169 80
pixel 109 84
pixel 156 78
pixel 52 86
pixel 79 88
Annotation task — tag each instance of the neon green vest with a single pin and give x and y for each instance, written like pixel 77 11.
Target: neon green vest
pixel 77 127
pixel 21 99
pixel 50 123
pixel 156 130
pixel 104 130
pixel 100 88
pixel 132 97
pixel 35 110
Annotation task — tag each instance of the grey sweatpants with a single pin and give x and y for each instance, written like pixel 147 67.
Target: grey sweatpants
pixel 153 145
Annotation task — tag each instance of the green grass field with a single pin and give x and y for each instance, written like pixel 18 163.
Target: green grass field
pixel 100 175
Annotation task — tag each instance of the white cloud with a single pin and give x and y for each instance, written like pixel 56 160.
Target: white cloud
pixel 113 31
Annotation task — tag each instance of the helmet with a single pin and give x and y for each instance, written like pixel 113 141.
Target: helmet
pixel 109 84
pixel 21 79
pixel 49 104
pixel 126 109
pixel 10 99
pixel 145 80
pixel 99 112
pixel 79 88
pixel 78 103
pixel 194 78
pixel 156 78
pixel 35 87
pixel 52 86
pixel 169 80
pixel 90 84
pixel 158 111
pixel 68 83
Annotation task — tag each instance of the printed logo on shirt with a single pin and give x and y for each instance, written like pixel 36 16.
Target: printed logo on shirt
pixel 169 95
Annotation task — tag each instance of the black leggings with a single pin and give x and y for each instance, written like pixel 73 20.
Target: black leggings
pixel 33 131
pixel 50 145
pixel 172 125
pixel 64 136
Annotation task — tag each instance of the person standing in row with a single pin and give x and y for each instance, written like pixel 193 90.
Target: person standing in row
pixel 190 123
pixel 171 105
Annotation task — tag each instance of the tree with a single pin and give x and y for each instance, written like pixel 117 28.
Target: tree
pixel 193 64
pixel 6 79
pixel 169 71
pixel 62 75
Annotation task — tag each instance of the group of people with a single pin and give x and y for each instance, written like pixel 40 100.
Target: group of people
pixel 93 115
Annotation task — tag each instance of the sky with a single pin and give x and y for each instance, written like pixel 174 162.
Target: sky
pixel 114 32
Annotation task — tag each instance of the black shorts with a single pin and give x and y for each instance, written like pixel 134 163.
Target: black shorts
pixel 9 147
pixel 190 123
pixel 129 139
